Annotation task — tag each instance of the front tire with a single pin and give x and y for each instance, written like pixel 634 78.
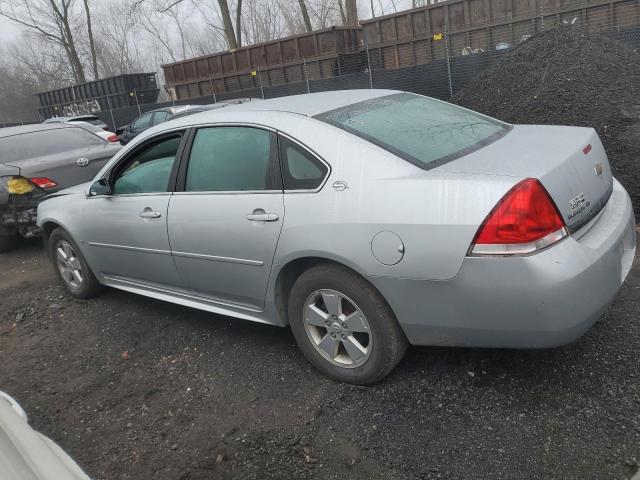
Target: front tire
pixel 343 325
pixel 71 267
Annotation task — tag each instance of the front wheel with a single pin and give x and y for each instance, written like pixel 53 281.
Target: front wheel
pixel 71 267
pixel 343 325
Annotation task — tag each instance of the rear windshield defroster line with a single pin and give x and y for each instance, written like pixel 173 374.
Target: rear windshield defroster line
pixel 421 130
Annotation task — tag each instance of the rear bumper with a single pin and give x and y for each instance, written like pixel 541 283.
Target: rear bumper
pixel 542 300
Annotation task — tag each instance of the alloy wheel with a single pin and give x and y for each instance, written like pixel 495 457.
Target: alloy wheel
pixel 337 328
pixel 69 264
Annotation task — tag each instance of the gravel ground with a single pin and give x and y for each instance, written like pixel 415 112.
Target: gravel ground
pixel 135 388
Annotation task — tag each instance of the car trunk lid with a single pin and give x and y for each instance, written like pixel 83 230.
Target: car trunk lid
pixel 569 161
pixel 66 168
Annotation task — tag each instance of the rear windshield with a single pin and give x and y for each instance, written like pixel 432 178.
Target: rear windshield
pixel 45 142
pixel 422 130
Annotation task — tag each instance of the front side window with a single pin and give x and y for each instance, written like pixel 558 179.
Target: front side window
pixel 142 122
pixel 160 117
pixel 300 170
pixel 149 169
pixel 422 130
pixel 230 159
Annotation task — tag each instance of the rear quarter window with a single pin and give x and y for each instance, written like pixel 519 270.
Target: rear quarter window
pixel 421 130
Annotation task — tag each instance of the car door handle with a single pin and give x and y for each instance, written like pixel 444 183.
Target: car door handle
pixel 150 214
pixel 263 217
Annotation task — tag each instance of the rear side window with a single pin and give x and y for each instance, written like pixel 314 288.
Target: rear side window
pixel 46 142
pixel 300 169
pixel 148 170
pixel 230 159
pixel 422 130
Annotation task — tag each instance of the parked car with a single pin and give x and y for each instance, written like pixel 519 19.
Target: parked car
pixel 25 453
pixel 39 159
pixel 106 135
pixel 146 121
pixel 364 219
pixel 92 119
pixel 161 115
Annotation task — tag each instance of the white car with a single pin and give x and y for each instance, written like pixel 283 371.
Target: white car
pixel 27 454
pixel 106 135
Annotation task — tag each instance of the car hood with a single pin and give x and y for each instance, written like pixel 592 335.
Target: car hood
pixel 26 454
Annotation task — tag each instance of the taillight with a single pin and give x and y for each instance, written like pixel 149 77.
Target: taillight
pixel 524 221
pixel 43 182
pixel 112 138
pixel 18 185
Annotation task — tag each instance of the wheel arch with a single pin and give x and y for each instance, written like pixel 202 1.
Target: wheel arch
pixel 290 271
pixel 49 226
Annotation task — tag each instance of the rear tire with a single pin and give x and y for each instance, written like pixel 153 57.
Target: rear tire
pixel 9 242
pixel 343 325
pixel 71 267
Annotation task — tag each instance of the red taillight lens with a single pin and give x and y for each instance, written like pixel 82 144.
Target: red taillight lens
pixel 43 182
pixel 112 138
pixel 525 220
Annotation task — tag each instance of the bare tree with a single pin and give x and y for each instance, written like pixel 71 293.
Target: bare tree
pixel 351 7
pixel 92 45
pixel 228 25
pixel 239 23
pixel 305 15
pixel 53 20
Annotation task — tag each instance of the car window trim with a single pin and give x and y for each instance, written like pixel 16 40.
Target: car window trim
pixel 183 132
pixel 274 162
pixel 310 152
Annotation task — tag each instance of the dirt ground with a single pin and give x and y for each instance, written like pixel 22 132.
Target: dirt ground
pixel 135 388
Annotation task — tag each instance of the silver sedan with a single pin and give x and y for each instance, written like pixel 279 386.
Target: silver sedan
pixel 364 219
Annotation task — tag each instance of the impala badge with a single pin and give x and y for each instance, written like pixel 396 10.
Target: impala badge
pixel 82 162
pixel 598 168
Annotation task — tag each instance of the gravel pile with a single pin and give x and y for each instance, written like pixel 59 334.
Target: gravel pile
pixel 567 76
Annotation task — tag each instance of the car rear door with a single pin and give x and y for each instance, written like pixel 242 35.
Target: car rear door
pixel 225 224
pixel 126 230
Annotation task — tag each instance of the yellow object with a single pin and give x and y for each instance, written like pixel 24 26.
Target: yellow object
pixel 253 73
pixel 19 186
pixel 437 36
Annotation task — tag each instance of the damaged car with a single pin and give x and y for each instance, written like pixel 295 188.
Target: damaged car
pixel 36 160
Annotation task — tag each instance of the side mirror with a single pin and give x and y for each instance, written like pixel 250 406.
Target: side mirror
pixel 100 187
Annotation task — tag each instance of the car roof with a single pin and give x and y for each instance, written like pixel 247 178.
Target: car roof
pixel 37 127
pixel 311 104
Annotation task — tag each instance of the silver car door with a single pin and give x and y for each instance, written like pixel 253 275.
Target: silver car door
pixel 225 224
pixel 126 230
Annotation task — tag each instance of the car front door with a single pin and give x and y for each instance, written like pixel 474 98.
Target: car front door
pixel 126 229
pixel 225 223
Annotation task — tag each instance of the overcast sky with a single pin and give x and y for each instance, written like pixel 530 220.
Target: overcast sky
pixel 7 30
